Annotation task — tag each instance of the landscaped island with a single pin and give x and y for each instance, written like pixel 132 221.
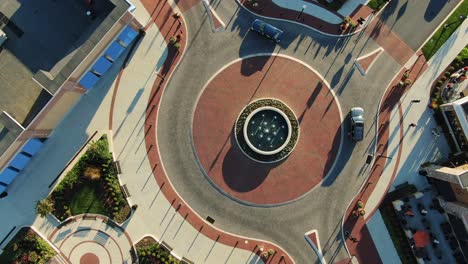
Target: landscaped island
pixel 27 247
pixel 91 186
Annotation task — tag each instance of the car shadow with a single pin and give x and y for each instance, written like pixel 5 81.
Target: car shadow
pixel 336 165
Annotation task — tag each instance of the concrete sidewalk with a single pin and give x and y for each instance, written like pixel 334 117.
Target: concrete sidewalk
pixel 419 143
pixel 310 9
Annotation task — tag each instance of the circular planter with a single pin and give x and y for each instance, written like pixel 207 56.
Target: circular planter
pixel 247 131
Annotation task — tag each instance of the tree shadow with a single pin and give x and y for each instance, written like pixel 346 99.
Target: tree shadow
pixel 434 7
pixel 241 173
pixel 311 100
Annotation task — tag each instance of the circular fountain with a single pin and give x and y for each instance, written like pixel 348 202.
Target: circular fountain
pixel 267 130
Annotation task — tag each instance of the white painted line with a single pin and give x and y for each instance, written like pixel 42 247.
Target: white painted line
pixel 210 11
pixel 361 70
pixel 317 248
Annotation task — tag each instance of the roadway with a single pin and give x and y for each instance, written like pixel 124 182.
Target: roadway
pixel 333 57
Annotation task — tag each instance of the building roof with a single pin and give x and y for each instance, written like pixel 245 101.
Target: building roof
pixel 46 42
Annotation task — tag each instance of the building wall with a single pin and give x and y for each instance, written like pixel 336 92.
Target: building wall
pixel 461 194
pixel 444 173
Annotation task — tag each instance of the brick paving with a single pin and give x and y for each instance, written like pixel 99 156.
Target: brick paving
pixel 365 249
pixel 162 16
pixel 366 62
pixel 222 101
pixel 385 37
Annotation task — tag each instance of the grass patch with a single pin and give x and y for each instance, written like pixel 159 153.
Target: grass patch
pixel 87 200
pixel 376 4
pixel 27 247
pixel 442 34
pixel 150 252
pixel 91 186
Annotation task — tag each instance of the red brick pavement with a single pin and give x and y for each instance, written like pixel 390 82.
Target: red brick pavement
pixel 222 101
pixel 362 11
pixel 163 16
pixel 367 61
pixel 385 37
pixel 364 249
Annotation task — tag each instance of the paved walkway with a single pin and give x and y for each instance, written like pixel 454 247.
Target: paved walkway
pixel 397 141
pixel 311 9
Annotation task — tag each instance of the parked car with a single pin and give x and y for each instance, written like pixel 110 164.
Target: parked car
pixel 3 37
pixel 267 30
pixel 357 123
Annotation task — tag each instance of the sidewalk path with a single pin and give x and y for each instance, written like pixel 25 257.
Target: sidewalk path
pixel 396 140
pixel 324 21
pixel 311 9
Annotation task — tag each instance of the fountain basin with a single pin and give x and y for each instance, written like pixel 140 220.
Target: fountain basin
pixel 267 130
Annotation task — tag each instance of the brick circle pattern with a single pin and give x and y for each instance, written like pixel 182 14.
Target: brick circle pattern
pixel 219 105
pixel 89 258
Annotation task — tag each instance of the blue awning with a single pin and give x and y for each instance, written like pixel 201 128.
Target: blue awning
pixel 128 35
pixel 8 176
pixel 114 50
pixel 102 65
pixel 89 80
pixel 2 188
pixel 32 146
pixel 20 161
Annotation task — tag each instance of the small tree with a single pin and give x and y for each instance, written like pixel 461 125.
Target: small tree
pixel 44 207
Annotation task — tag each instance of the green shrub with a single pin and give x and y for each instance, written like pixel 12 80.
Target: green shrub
pixel 451 69
pixel 44 207
pixel 447 74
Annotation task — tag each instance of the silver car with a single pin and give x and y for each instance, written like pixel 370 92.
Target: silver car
pixel 357 123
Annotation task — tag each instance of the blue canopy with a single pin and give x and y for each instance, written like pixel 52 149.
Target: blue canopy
pixel 128 35
pixel 102 65
pixel 89 80
pixel 114 50
pixel 32 146
pixel 2 188
pixel 20 161
pixel 8 176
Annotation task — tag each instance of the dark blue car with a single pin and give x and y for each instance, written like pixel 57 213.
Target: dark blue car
pixel 267 30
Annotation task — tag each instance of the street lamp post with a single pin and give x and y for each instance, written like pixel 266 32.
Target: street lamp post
pixel 302 11
pixel 382 156
pixel 460 18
